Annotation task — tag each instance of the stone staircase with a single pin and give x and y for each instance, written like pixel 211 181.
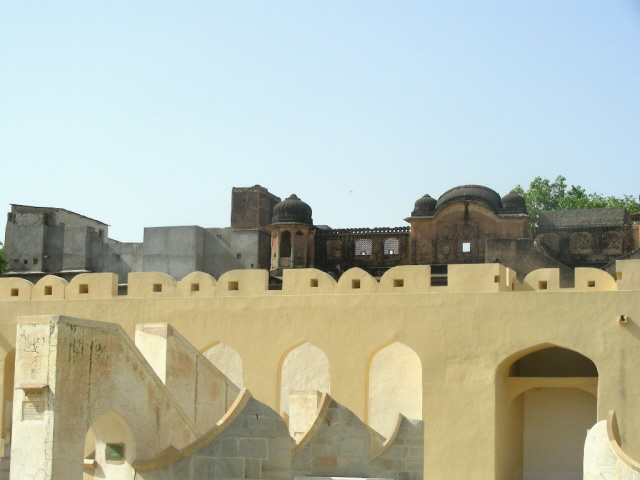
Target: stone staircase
pixel 5 462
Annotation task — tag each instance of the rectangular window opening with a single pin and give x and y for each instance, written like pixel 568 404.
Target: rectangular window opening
pixel 466 247
pixel 233 286
pixel 26 262
pixel 195 287
pixel 15 292
pixel 157 287
pixel 114 453
pixel 591 283
pixel 355 283
pixel 398 282
pixel 618 275
pixel 542 285
pixel 83 288
pixel 35 261
pixel 313 282
pixel 48 290
pixel 238 256
pixel 496 279
pixel 439 275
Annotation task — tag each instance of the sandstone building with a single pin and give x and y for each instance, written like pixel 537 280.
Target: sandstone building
pixel 463 346
pixel 467 224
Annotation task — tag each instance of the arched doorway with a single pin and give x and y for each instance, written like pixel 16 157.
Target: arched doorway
pixel 546 401
pixel 109 449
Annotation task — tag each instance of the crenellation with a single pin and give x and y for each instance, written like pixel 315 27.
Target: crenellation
pixel 471 278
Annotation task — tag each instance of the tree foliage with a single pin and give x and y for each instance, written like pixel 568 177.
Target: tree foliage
pixel 544 194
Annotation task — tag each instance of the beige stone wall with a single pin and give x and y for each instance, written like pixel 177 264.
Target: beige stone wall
pixel 466 336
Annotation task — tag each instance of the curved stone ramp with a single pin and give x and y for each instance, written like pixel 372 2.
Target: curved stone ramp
pixel 250 441
pixel 337 444
pixel 604 458
pixel 402 455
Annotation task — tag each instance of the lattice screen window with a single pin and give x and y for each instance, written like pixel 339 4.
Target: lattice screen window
pixel 391 246
pixel 363 247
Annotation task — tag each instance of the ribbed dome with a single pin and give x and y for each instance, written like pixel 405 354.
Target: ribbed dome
pixel 472 193
pixel 424 206
pixel 513 202
pixel 292 210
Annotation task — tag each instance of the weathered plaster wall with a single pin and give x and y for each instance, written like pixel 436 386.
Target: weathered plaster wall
pixel 200 388
pixel 81 370
pixel 464 334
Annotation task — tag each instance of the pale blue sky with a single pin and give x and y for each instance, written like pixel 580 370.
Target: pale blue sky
pixel 148 113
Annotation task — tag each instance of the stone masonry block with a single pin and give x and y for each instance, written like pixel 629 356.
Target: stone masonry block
pixel 229 447
pixel 262 427
pixel 331 462
pixel 253 468
pixel 417 452
pixel 239 428
pixel 360 466
pixel 252 408
pixel 354 446
pixel 202 468
pixel 230 468
pixel 279 448
pixel 325 450
pixel 253 448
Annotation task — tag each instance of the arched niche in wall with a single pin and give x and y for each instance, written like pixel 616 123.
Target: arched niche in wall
pixel 546 402
pixel 227 360
pixel 611 243
pixel 109 449
pixel 394 386
pixel 303 367
pixel 580 242
pixel 285 244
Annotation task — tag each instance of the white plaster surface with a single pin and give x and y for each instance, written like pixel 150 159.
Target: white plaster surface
pixel 395 386
pixel 227 360
pixel 556 421
pixel 303 408
pixel 601 461
pixel 304 368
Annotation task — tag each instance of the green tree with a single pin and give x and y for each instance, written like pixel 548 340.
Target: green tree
pixel 544 194
pixel 3 261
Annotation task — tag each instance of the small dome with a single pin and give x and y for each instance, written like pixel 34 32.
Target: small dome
pixel 473 193
pixel 513 202
pixel 424 206
pixel 292 210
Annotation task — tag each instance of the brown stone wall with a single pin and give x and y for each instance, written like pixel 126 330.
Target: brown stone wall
pixel 458 234
pixel 339 250
pixel 252 207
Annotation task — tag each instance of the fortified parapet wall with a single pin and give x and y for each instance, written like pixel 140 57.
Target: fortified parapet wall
pixel 477 278
pixel 455 336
